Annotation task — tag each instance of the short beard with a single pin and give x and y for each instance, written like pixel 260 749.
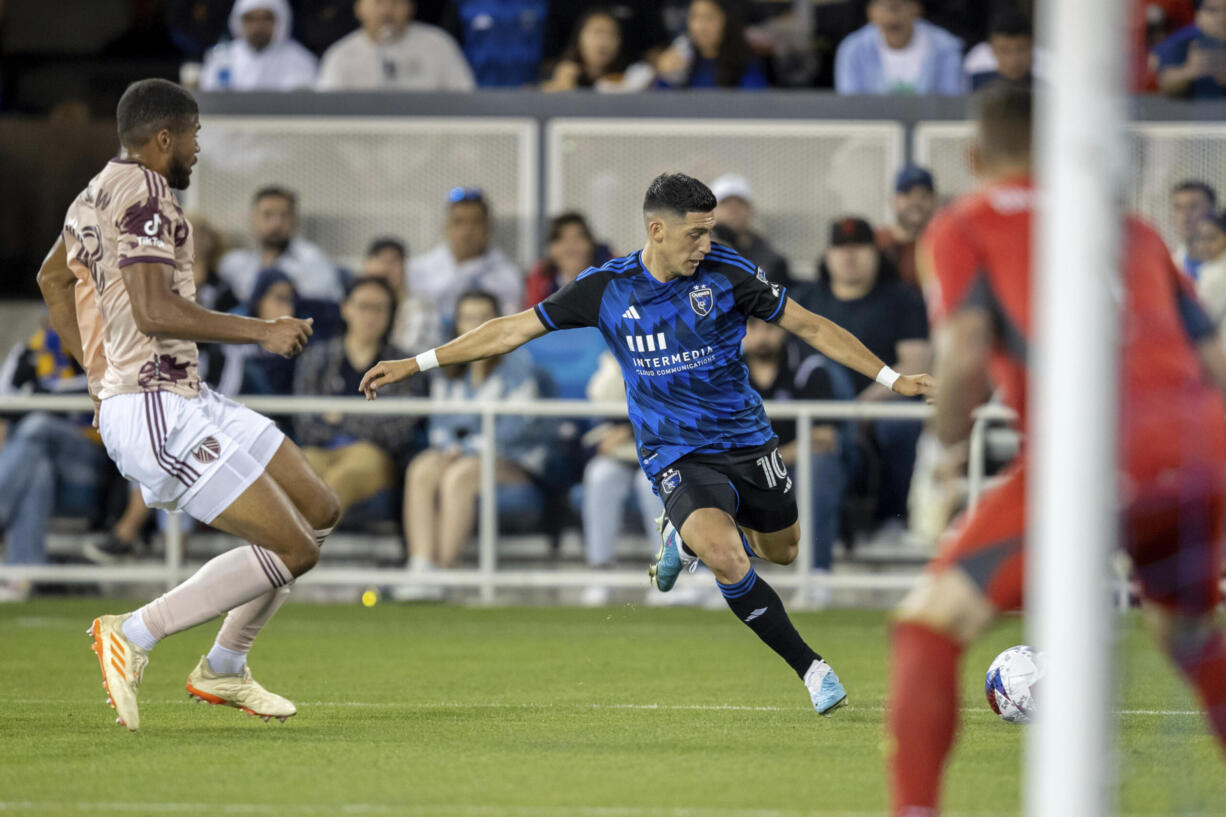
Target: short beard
pixel 279 245
pixel 179 174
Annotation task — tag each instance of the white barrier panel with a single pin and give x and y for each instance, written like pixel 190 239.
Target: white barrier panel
pixel 1160 155
pixel 487 577
pixel 360 178
pixel 804 174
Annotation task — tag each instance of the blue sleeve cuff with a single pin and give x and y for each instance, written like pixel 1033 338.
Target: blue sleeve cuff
pixel 783 299
pixel 544 316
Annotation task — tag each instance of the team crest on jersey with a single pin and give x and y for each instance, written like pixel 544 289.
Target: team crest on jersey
pixel 208 450
pixel 701 301
pixel 670 480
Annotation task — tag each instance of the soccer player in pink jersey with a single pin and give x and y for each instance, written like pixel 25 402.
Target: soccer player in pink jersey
pixel 119 286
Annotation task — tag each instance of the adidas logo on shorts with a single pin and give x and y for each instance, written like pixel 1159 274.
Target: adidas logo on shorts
pixel 208 450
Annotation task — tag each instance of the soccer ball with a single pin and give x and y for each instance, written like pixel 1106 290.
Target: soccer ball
pixel 1010 685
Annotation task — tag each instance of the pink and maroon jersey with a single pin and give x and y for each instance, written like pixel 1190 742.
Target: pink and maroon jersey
pixel 127 215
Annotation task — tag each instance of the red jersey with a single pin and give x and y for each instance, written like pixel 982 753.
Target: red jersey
pixel 979 252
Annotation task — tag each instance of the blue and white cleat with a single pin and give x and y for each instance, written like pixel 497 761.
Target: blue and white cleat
pixel 825 691
pixel 671 559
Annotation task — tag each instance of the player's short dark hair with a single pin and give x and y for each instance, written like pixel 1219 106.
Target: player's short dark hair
pixel 1196 185
pixel 1010 22
pixel 1004 112
pixel 151 105
pixel 387 243
pixel 679 194
pixel 274 191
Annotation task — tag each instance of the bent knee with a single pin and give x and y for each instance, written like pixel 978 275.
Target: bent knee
pixel 948 602
pixel 328 514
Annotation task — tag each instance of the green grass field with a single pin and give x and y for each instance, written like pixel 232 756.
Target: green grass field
pixel 456 712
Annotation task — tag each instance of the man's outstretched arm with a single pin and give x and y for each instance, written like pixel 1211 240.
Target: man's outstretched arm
pixel 490 339
pixel 842 346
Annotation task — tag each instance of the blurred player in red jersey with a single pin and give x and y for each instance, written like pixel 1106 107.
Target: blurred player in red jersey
pixel 1172 456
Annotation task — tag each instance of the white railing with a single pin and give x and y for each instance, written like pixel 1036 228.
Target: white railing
pixel 486 577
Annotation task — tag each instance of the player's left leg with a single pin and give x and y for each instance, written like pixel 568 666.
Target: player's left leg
pixel 222 675
pixel 714 536
pixel 978 572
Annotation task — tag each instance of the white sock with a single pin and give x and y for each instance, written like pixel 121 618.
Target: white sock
pixel 222 583
pixel 420 563
pixel 135 630
pixel 225 661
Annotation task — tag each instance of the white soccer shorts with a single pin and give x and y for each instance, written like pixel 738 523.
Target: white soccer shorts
pixel 195 455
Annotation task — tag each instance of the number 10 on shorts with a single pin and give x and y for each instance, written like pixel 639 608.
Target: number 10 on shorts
pixel 773 468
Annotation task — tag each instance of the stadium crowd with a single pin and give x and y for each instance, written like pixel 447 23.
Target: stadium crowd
pixel 423 474
pixel 943 47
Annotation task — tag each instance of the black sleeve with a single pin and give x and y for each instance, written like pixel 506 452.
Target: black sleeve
pixel 912 316
pixel 755 297
pixel 575 305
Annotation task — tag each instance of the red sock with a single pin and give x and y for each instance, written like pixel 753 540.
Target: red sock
pixel 922 716
pixel 1205 669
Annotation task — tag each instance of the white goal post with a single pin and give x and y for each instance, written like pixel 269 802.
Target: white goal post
pixel 1073 495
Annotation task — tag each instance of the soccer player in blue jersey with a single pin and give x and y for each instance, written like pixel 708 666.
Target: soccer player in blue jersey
pixel 673 314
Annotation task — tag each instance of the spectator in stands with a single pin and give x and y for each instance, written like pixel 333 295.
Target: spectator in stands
pixel 713 53
pixel 572 249
pixel 595 58
pixel 898 53
pixel 443 482
pixel 418 324
pixel 274 227
pixel 734 222
pixel 1007 54
pixel 1209 245
pixel 354 453
pixel 392 52
pixel 609 478
pixel 51 464
pixel 1192 61
pixel 640 22
pixel 503 40
pixel 211 291
pixel 465 260
pixel 1191 200
pixel 260 55
pixel 248 368
pixel 858 288
pixel 782 369
pixel 915 201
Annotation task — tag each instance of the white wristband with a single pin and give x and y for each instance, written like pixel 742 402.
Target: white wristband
pixel 887 377
pixel 427 361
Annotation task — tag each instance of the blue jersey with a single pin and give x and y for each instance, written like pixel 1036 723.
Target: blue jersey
pixel 679 346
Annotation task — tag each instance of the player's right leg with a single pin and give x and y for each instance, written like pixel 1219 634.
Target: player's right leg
pixel 978 572
pixel 1175 543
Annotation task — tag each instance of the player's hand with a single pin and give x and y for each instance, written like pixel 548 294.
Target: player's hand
pixel 386 372
pixel 914 385
pixel 286 336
